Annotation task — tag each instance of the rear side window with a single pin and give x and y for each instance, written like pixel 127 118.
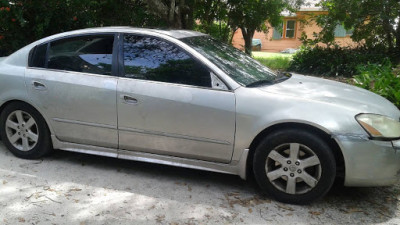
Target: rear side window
pixel 86 54
pixel 38 56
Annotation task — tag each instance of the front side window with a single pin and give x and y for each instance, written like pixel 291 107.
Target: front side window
pixel 149 58
pixel 290 28
pixel 86 54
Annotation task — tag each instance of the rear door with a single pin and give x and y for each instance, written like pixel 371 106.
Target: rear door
pixel 72 81
pixel 167 105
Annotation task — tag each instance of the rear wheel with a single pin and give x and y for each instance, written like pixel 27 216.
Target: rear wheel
pixel 24 131
pixel 294 166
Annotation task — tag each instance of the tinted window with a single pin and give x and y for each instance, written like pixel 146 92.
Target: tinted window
pixel 149 58
pixel 88 54
pixel 38 56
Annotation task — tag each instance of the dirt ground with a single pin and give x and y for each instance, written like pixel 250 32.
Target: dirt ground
pixel 71 188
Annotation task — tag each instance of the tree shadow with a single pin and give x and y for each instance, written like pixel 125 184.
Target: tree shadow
pixel 194 187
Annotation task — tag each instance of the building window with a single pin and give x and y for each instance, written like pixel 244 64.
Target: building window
pixel 277 35
pixel 340 31
pixel 290 28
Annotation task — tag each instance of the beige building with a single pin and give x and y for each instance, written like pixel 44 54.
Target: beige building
pixel 293 26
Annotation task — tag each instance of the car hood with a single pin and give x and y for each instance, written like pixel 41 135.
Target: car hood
pixel 332 92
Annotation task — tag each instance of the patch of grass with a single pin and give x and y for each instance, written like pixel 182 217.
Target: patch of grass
pixel 275 61
pixel 271 55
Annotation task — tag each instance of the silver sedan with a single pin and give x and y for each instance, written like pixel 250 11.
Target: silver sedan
pixel 181 98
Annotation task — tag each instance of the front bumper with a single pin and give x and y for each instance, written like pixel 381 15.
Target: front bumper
pixel 369 162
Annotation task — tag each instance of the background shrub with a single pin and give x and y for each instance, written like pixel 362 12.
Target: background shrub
pixel 334 61
pixel 22 22
pixel 380 79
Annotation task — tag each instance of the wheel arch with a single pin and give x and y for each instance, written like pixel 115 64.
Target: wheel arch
pixel 6 103
pixel 339 158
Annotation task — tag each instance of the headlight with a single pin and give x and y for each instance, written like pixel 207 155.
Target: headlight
pixel 379 126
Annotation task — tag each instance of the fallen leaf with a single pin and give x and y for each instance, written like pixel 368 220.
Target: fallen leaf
pixel 250 210
pixel 5 182
pixel 21 220
pixel 75 189
pixel 285 207
pixel 233 194
pixel 354 210
pixel 315 213
pixel 160 218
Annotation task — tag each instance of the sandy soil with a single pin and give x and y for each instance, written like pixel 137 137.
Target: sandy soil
pixel 71 188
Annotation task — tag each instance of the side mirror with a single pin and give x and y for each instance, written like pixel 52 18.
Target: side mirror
pixel 217 83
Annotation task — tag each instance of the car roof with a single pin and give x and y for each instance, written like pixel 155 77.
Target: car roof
pixel 20 57
pixel 178 34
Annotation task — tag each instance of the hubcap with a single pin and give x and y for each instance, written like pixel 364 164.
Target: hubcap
pixel 22 130
pixel 293 168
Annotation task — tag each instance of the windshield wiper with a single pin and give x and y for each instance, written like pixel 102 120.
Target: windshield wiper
pixel 260 83
pixel 280 78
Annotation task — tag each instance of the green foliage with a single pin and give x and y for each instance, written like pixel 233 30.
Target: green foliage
pixel 251 15
pixel 177 14
pixel 218 30
pixel 23 22
pixel 213 18
pixel 334 61
pixel 374 22
pixel 380 79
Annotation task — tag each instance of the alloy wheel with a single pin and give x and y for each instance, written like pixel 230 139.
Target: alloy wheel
pixel 293 168
pixel 22 130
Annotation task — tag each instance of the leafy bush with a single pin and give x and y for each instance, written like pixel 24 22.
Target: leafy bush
pixel 334 61
pixel 218 30
pixel 380 79
pixel 22 22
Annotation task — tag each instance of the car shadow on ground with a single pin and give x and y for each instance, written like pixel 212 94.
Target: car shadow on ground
pixel 373 205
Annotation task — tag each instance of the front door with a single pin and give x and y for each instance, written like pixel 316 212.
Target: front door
pixel 166 104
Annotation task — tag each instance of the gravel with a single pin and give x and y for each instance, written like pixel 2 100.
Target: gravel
pixel 71 188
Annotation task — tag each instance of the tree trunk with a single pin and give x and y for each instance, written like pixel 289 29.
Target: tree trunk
pixel 233 31
pixel 248 38
pixel 398 36
pixel 171 13
pixel 388 28
pixel 189 15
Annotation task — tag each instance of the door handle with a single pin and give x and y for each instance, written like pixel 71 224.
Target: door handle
pixel 129 100
pixel 39 86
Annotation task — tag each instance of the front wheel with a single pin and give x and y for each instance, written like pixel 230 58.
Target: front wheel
pixel 294 166
pixel 24 131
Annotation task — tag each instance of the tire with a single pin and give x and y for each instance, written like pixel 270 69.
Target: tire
pixel 24 131
pixel 294 178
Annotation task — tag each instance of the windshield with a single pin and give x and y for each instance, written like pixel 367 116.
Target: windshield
pixel 235 63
